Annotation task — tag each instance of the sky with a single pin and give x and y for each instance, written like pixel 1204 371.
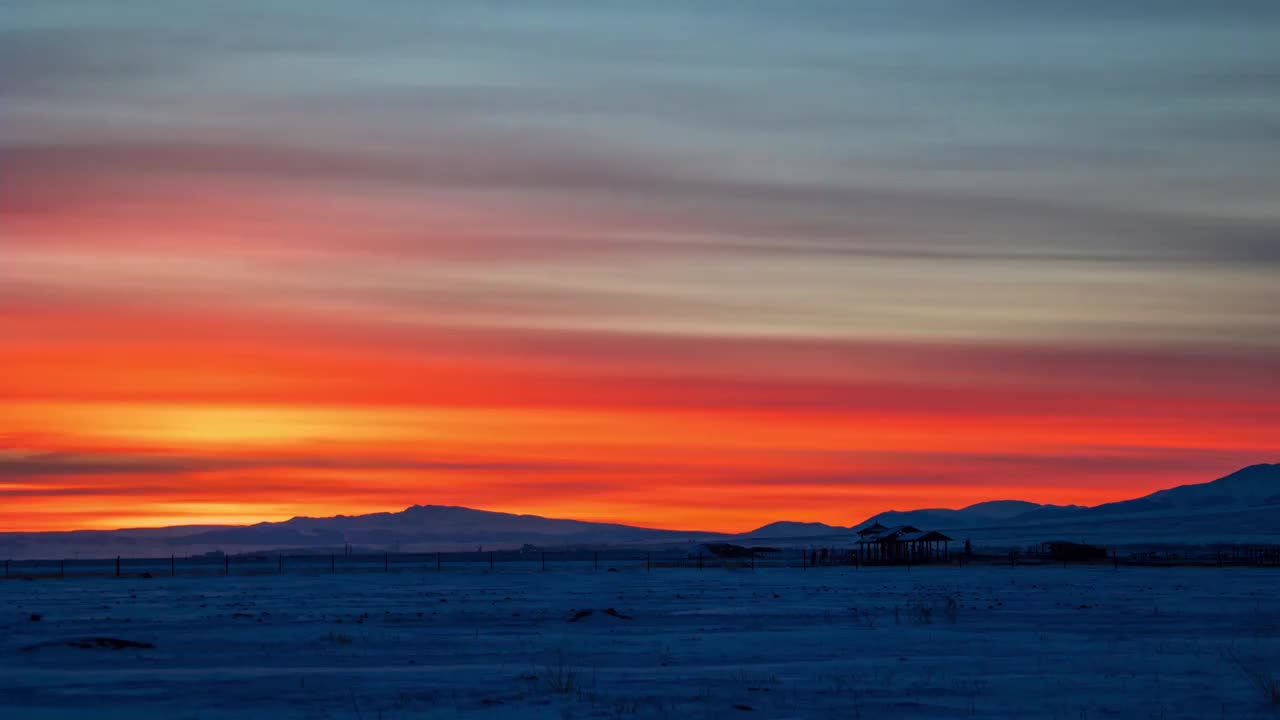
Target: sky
pixel 687 265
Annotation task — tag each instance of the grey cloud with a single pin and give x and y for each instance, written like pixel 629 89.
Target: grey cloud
pixel 58 464
pixel 692 118
pixel 68 62
pixel 754 213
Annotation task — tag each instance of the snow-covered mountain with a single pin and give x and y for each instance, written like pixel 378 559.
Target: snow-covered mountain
pixel 1253 486
pixel 1256 486
pixel 1242 506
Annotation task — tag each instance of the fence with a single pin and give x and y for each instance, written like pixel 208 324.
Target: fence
pixel 346 562
pixel 595 560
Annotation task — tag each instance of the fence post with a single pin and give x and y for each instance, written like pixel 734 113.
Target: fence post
pixel 117 566
pixel 173 565
pixel 544 561
pixel 490 559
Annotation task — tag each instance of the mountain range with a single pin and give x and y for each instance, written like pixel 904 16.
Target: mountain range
pixel 1256 486
pixel 1241 507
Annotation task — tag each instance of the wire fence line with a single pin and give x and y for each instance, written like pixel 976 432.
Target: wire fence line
pixel 218 564
pixel 347 562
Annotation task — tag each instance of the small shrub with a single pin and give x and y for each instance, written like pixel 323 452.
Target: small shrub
pixel 922 613
pixel 1267 684
pixel 951 608
pixel 558 677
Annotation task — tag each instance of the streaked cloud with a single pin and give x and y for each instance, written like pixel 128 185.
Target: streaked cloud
pixel 616 260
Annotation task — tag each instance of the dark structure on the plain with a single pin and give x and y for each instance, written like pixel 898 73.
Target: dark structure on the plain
pixel 1064 551
pixel 903 543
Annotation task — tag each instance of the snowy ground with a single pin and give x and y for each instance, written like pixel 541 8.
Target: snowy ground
pixel 1044 642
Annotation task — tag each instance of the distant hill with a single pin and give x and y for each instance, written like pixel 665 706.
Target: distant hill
pixel 1004 509
pixel 996 511
pixel 432 525
pixel 785 529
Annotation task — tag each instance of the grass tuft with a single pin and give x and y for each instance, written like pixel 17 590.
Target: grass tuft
pixel 1267 682
pixel 558 677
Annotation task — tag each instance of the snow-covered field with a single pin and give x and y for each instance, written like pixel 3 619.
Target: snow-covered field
pixel 1027 642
